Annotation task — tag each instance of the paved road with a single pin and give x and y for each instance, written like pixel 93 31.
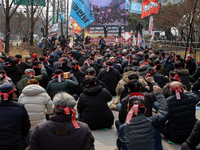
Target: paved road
pixel 106 140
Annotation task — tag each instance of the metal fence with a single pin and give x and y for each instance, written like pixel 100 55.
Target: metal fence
pixel 176 46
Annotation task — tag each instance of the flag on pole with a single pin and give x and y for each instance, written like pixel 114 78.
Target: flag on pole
pixel 116 40
pixel 139 39
pixel 127 5
pixel 151 26
pixel 75 26
pixel 143 41
pixel 61 16
pixel 81 11
pixel 150 7
pixel 134 40
pixel 71 42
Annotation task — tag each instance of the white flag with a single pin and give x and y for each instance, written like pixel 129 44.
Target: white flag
pixel 71 42
pixel 151 25
pixel 134 40
pixel 139 39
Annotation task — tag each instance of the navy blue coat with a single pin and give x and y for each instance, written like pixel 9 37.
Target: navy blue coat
pixel 14 124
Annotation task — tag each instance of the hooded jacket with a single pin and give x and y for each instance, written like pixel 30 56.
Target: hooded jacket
pixel 59 133
pixel 93 109
pixel 124 80
pixel 37 103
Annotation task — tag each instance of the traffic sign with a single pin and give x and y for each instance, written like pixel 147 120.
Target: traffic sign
pixel 35 2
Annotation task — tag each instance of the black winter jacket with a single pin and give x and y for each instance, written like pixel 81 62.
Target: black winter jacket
pixel 185 77
pixel 93 109
pixel 181 118
pixel 14 124
pixel 14 73
pixel 194 138
pixel 110 79
pixel 65 85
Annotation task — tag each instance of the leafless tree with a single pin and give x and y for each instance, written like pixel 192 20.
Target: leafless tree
pixel 9 9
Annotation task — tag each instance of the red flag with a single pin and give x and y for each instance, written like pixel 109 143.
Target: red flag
pixel 150 7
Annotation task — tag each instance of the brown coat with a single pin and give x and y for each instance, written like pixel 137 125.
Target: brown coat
pixel 120 86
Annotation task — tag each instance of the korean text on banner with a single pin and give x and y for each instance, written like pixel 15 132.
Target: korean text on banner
pixel 136 7
pixel 150 7
pixel 82 12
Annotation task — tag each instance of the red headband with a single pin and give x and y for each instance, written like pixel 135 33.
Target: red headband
pixel 149 74
pixel 66 111
pixel 178 90
pixel 5 95
pixel 176 77
pixel 31 73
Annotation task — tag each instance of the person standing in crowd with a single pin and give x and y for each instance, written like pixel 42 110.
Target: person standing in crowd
pixel 102 44
pixel 45 43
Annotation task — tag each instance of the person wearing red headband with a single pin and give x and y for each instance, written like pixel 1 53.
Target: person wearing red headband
pixel 110 76
pixel 92 105
pixel 30 74
pixel 190 64
pixel 22 65
pixel 62 131
pixel 184 74
pixel 13 71
pixel 59 84
pixel 4 78
pixel 140 132
pixel 174 75
pixel 14 120
pixel 76 70
pixel 36 101
pixel 181 118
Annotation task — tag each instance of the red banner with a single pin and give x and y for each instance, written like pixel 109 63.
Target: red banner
pixel 75 26
pixel 150 7
pixel 0 45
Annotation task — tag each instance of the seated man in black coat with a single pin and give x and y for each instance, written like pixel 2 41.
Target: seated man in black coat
pixel 181 118
pixel 15 124
pixel 92 105
pixel 110 76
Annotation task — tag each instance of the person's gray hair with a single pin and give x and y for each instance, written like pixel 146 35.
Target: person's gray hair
pixel 64 100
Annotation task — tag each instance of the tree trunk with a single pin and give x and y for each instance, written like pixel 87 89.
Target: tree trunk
pixel 32 23
pixel 7 40
pixel 47 19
